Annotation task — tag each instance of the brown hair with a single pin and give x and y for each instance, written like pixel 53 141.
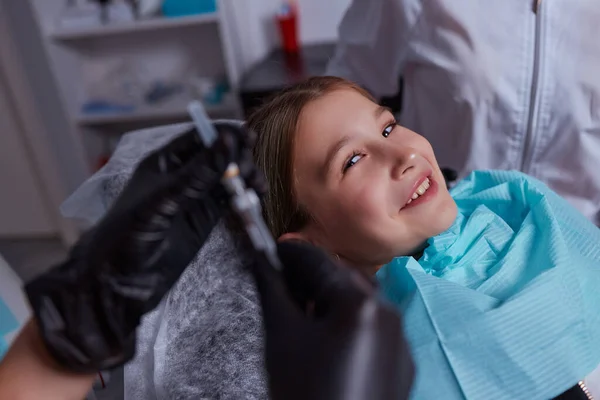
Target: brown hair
pixel 275 124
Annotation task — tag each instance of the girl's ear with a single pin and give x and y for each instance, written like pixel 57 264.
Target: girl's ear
pixel 307 234
pixel 302 236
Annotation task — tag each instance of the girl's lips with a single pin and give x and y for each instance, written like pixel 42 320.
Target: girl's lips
pixel 425 197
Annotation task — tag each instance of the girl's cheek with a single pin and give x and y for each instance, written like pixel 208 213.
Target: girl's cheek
pixel 370 199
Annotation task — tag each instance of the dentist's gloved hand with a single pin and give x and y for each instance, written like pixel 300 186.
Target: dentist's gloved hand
pixel 328 336
pixel 88 308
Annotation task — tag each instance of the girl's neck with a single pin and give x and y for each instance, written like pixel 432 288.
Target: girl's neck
pixel 372 269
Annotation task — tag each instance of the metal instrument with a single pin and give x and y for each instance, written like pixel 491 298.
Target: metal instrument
pixel 244 201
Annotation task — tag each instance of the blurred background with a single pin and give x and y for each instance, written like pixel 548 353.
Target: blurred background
pixel 76 74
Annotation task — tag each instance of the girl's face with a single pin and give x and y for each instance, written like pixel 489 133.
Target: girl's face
pixel 373 188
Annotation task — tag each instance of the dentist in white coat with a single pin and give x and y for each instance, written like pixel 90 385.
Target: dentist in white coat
pixel 495 84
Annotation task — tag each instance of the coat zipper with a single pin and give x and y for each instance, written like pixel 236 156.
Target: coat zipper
pixel 585 390
pixel 529 134
pixel 532 108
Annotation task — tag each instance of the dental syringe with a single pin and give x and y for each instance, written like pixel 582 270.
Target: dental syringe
pixel 244 201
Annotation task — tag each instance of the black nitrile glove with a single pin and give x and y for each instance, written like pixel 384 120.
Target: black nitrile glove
pixel 88 308
pixel 328 335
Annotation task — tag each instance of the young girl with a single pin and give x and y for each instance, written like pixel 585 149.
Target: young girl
pixel 497 280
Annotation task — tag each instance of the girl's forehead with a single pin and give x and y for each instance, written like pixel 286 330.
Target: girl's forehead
pixel 336 114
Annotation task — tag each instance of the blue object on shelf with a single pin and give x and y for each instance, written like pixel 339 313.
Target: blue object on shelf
pixel 180 8
pixel 160 91
pixel 215 96
pixel 105 107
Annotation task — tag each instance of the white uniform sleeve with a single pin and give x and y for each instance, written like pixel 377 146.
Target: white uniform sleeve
pixel 592 382
pixel 373 43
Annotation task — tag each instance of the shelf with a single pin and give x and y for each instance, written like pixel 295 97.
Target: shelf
pixel 121 28
pixel 149 114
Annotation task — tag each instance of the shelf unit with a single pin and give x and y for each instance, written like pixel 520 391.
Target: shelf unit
pixel 148 114
pixel 144 114
pixel 120 28
pixel 218 45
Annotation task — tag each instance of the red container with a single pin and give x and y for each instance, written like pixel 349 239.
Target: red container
pixel 288 29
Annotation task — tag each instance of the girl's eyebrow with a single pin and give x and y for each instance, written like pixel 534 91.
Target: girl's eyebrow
pixel 380 110
pixel 331 153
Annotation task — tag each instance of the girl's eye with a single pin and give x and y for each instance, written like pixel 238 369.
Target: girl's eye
pixel 353 160
pixel 388 129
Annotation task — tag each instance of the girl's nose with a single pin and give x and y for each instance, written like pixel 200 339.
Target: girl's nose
pixel 403 160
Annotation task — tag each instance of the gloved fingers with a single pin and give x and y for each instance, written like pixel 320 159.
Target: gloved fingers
pixel 155 204
pixel 279 309
pixel 253 176
pixel 198 179
pixel 201 217
pixel 195 193
pixel 244 137
pixel 232 138
pixel 200 170
pixel 235 144
pixel 313 277
pixel 175 154
pixel 195 179
pixel 306 269
pixel 232 143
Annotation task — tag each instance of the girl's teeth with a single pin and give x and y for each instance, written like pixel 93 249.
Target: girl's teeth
pixel 420 190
